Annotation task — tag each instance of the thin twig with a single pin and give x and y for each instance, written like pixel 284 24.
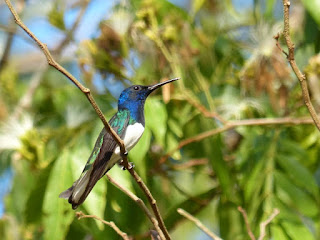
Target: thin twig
pixel 61 69
pixel 239 123
pixel 140 203
pixel 294 66
pixel 198 224
pixel 276 37
pixel 264 224
pixel 245 218
pixel 7 48
pixel 190 163
pixel 111 224
pixel 73 28
pixel 114 135
pixel 25 101
pixel 150 198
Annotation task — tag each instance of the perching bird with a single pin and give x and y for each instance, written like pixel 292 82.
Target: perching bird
pixel 128 123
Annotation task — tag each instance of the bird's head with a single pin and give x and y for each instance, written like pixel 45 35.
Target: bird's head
pixel 137 94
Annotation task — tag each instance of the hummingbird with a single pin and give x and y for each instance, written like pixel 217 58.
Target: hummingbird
pixel 129 124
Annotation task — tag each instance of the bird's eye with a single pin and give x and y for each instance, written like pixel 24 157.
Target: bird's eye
pixel 136 88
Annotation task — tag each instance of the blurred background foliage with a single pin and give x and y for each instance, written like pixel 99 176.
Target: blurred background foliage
pixel 230 70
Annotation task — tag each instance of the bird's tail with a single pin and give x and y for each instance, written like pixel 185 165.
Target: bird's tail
pixel 67 193
pixel 79 190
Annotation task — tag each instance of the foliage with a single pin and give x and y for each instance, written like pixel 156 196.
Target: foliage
pixel 230 68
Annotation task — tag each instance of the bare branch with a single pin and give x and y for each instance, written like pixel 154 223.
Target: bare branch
pixel 150 198
pixel 87 92
pixel 140 203
pixel 111 224
pixel 264 224
pixel 61 69
pixel 198 224
pixel 276 37
pixel 7 48
pixel 246 220
pixel 294 66
pixel 239 123
pixel 25 101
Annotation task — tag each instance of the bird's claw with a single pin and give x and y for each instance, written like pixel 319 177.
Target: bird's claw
pixel 125 154
pixel 131 165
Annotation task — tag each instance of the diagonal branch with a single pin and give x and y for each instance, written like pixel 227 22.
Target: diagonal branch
pixel 150 198
pixel 61 69
pixel 294 66
pixel 11 34
pixel 140 203
pixel 264 224
pixel 87 92
pixel 238 123
pixel 25 101
pixel 246 221
pixel 199 224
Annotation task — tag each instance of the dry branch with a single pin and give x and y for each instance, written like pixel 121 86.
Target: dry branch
pixel 246 221
pixel 199 224
pixel 263 225
pixel 239 123
pixel 140 203
pixel 290 56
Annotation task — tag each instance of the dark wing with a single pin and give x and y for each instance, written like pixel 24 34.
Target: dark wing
pixel 97 164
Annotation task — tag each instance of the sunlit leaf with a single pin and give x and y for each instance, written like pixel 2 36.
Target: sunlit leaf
pixel 156 119
pixel 313 7
pixel 298 173
pixel 294 196
pixel 57 212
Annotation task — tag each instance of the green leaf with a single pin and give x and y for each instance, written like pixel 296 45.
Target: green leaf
pixel 156 119
pixel 294 196
pixel 278 233
pixel 196 6
pixel 254 181
pixel 298 173
pixel 297 231
pixel 36 198
pixel 55 17
pixel 173 217
pixel 57 212
pixel 313 7
pixel 220 167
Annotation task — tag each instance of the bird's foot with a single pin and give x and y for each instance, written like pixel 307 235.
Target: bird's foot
pixel 124 155
pixel 131 165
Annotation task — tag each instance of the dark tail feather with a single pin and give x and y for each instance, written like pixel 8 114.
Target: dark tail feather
pixel 81 188
pixel 79 191
pixel 67 193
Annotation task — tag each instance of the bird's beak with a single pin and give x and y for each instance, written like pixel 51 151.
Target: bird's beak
pixel 155 86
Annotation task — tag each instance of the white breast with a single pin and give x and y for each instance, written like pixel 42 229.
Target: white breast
pixel 132 136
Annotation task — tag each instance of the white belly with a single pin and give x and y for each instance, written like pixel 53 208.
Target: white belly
pixel 132 136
